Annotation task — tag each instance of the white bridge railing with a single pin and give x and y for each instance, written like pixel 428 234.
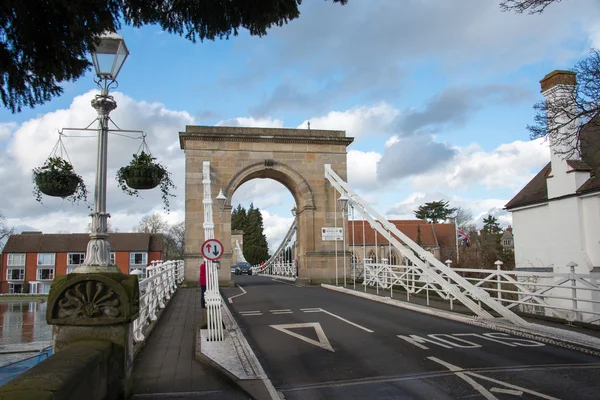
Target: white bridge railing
pixel 568 296
pixel 156 290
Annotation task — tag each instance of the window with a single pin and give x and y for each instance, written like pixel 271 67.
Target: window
pixel 45 274
pixel 76 258
pixel 394 258
pixel 45 259
pixel 16 260
pixel 112 258
pixel 372 256
pixel 138 258
pixel 15 288
pixel 15 274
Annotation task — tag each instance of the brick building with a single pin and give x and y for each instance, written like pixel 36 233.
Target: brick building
pixel 438 239
pixel 31 260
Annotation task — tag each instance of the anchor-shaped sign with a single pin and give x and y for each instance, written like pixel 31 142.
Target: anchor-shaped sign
pixel 212 249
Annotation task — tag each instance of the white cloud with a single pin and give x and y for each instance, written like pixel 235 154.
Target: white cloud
pixel 250 122
pixel 276 227
pixel 357 121
pixel 510 165
pixel 33 140
pixel 6 129
pixel 362 169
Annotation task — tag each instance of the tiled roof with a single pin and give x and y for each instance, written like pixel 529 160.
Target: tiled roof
pixel 536 191
pixel 444 233
pixel 36 242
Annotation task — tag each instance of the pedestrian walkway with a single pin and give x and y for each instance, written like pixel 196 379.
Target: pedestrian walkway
pixel 166 367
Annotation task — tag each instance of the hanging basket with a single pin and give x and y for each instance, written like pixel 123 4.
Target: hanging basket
pixel 143 178
pixel 57 184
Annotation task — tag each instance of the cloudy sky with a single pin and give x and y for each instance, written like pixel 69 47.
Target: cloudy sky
pixel 437 95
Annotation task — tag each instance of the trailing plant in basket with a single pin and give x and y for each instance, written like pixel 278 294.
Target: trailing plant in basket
pixel 143 172
pixel 56 178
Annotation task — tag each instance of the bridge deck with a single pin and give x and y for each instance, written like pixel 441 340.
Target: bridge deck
pixel 166 368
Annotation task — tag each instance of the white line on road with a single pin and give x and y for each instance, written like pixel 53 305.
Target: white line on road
pixel 461 373
pixel 507 391
pixel 287 283
pixel 285 309
pixel 323 341
pixel 241 294
pixel 251 314
pixel 282 312
pixel 316 310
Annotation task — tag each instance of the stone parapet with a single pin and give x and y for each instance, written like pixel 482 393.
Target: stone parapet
pixel 82 370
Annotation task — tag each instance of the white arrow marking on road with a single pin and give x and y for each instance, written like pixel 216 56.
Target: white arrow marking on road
pixel 323 341
pixel 466 376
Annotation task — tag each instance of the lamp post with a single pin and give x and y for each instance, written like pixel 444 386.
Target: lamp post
pixel 344 206
pixel 108 58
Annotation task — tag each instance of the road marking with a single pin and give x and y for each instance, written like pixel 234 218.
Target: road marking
pixel 286 309
pixel 287 283
pixel 466 376
pixel 348 322
pixel 241 294
pixel 249 313
pixel 507 391
pixel 323 341
pixel 454 340
pixel 282 312
pixel 314 310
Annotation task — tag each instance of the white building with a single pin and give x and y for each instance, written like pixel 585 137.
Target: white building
pixel 556 216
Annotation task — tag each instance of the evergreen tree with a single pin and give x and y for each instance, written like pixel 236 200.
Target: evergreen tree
pixel 238 218
pixel 435 211
pixel 45 43
pixel 256 248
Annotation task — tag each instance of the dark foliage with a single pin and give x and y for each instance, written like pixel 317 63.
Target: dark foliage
pixel 46 42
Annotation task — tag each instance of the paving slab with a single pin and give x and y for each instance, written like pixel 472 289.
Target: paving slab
pixel 166 367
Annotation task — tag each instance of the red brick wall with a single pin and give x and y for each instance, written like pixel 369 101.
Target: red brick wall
pixel 60 264
pixel 154 256
pixel 30 267
pixel 122 260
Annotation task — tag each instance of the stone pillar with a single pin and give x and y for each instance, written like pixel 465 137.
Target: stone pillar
pixel 97 306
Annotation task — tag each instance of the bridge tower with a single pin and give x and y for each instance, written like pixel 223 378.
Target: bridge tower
pixel 294 157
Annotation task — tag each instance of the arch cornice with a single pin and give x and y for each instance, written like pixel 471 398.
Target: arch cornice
pixel 279 172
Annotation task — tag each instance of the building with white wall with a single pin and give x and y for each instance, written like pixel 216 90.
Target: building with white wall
pixel 556 216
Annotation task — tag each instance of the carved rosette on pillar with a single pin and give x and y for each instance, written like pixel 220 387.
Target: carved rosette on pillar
pixel 94 307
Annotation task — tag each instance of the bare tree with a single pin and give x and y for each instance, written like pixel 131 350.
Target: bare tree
pixel 464 219
pixel 5 231
pixel 109 228
pixel 175 241
pixel 571 108
pixel 152 224
pixel 531 6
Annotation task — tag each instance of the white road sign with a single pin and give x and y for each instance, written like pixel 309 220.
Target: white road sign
pixel 332 234
pixel 212 249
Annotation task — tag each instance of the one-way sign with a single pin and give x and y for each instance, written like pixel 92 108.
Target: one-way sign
pixel 212 249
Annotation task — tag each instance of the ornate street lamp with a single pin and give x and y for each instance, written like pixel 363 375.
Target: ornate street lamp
pixel 343 202
pixel 221 199
pixel 294 211
pixel 108 58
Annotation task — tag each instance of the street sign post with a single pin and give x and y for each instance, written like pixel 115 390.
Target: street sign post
pixel 212 249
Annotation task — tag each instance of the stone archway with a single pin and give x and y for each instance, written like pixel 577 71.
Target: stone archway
pixel 293 157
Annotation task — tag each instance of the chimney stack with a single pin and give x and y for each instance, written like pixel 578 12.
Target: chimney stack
pixel 557 88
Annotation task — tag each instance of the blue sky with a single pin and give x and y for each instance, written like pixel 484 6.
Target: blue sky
pixel 437 94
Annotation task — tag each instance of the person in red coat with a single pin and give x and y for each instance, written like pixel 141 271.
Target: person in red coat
pixel 202 282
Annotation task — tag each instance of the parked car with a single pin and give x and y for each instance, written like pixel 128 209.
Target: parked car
pixel 243 268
